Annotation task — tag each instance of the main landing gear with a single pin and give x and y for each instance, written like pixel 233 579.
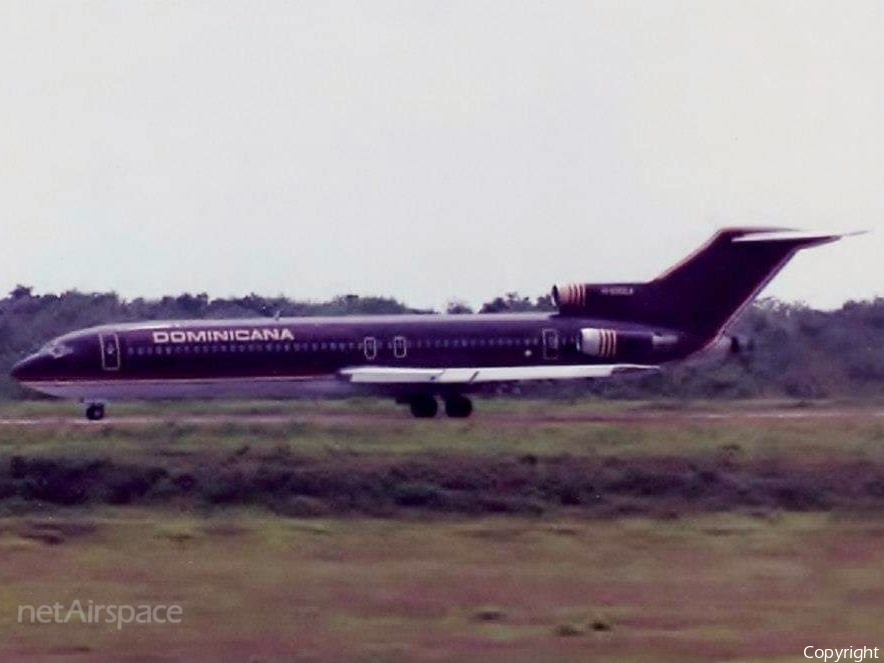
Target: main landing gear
pixel 458 406
pixel 95 412
pixel 425 406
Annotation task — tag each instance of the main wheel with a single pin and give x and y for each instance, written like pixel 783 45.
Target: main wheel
pixel 423 407
pixel 95 412
pixel 459 407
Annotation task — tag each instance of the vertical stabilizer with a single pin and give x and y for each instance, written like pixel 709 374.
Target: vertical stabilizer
pixel 703 292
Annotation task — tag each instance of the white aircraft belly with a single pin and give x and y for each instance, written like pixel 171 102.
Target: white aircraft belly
pixel 118 390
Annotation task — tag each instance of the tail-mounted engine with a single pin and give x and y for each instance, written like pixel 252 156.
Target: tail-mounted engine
pixel 598 342
pixel 612 300
pixel 636 345
pixel 727 347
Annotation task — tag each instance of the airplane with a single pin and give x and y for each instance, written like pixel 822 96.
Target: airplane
pixel 598 331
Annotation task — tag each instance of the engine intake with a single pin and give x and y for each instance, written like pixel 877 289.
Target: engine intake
pixel 611 300
pixel 598 342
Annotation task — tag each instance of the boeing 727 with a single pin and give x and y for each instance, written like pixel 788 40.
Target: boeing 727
pixel 598 331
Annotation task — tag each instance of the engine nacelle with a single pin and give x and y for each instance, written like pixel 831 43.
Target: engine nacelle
pixel 742 345
pixel 728 346
pixel 580 295
pixel 598 342
pixel 607 343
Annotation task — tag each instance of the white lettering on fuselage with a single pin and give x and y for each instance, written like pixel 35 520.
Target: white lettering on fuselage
pixel 216 335
pixel 618 290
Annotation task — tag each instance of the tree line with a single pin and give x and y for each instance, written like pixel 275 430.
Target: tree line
pixel 798 351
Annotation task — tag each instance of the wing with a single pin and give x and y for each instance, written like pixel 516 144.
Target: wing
pixel 477 375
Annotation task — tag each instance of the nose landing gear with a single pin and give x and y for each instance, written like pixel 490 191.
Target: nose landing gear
pixel 95 412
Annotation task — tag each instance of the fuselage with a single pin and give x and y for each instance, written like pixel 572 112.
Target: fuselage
pixel 300 356
pixel 599 330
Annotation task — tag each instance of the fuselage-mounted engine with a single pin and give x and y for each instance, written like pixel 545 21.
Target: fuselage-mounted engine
pixel 625 345
pixel 598 342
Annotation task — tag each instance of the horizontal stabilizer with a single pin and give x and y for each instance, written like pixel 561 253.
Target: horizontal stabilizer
pixel 475 375
pixel 701 294
pixel 795 236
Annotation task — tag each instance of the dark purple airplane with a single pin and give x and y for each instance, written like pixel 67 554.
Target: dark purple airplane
pixel 598 331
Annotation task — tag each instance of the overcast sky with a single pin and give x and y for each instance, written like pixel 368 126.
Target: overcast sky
pixel 432 150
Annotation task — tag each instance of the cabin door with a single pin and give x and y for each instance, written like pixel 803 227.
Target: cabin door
pixel 110 351
pixel 550 344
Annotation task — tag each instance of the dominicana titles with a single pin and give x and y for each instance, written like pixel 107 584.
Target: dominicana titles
pixel 216 335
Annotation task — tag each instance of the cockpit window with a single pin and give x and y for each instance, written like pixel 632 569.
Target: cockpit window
pixel 56 349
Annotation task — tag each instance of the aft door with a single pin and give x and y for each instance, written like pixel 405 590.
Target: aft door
pixel 550 344
pixel 110 352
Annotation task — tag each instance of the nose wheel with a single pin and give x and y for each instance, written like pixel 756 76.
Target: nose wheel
pixel 95 412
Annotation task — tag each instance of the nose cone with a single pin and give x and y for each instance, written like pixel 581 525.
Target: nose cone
pixel 25 369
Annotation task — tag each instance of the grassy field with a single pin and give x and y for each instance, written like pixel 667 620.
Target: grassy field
pixel 499 589
pixel 531 532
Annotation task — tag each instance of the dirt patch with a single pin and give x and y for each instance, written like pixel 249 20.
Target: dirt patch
pixel 55 532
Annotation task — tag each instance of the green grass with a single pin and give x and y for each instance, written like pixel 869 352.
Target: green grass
pixel 369 428
pixel 505 405
pixel 564 585
pixel 269 588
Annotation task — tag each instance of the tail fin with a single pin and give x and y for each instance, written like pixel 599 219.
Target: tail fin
pixel 702 293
